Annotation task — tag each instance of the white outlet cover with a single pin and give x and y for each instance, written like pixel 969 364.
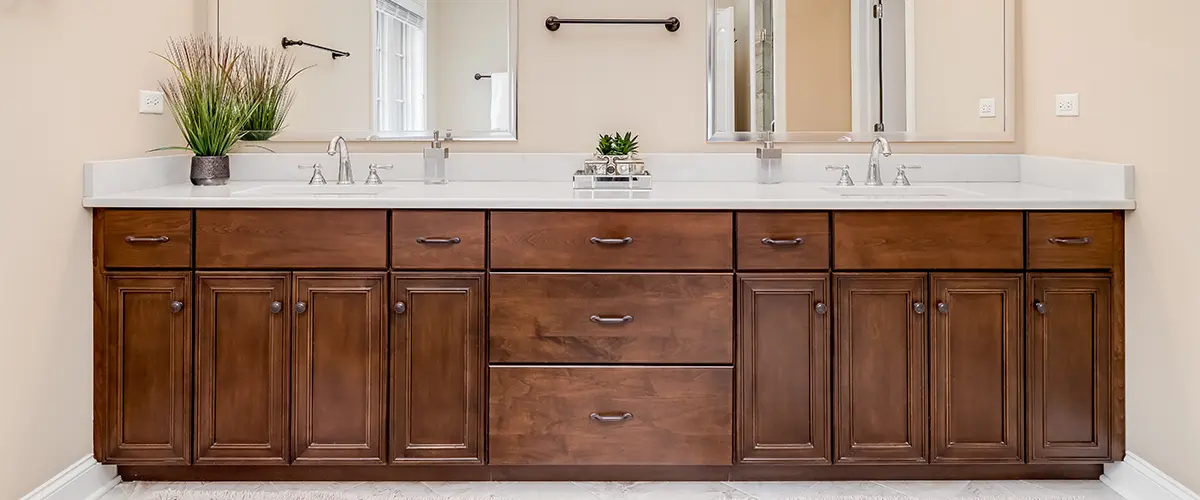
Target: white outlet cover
pixel 1066 105
pixel 150 102
pixel 987 108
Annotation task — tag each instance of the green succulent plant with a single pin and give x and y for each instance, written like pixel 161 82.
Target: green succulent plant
pixel 617 144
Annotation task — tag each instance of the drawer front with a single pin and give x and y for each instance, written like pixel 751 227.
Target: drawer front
pixel 611 416
pixel 928 240
pixel 439 240
pixel 1072 240
pixel 612 240
pixel 611 318
pixel 777 241
pixel 291 239
pixel 147 238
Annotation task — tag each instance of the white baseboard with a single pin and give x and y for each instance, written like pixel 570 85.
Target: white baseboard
pixel 86 479
pixel 1136 479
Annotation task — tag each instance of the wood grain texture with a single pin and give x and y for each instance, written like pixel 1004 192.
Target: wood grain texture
pixel 339 396
pixel 1070 376
pixel 1117 380
pixel 676 318
pixel 679 416
pixel 753 227
pixel 243 351
pixel 660 240
pixel 470 229
pixel 148 387
pixel 881 410
pixel 291 239
pixel 976 368
pixel 174 225
pixel 1097 227
pixel 438 369
pixel 928 240
pixel 783 370
pixel 100 348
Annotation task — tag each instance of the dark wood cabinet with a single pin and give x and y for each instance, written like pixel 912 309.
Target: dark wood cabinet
pixel 1070 328
pixel 881 333
pixel 242 375
pixel 437 369
pixel 976 367
pixel 339 368
pixel 783 369
pixel 147 369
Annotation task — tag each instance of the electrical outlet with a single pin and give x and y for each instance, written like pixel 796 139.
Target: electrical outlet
pixel 987 108
pixel 1066 105
pixel 150 102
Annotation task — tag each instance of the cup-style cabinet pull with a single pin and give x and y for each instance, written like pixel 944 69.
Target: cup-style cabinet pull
pixel 176 306
pixel 612 241
pixel 1071 241
pixel 821 308
pixel 301 307
pixel 439 241
pixel 611 417
pixel 600 320
pixel 276 307
pixel 400 308
pixel 137 239
pixel 783 243
pixel 919 307
pixel 943 307
pixel 1040 307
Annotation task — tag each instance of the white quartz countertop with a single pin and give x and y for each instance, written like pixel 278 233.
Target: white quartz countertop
pixel 664 196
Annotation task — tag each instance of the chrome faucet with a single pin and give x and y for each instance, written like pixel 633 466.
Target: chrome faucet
pixel 337 146
pixel 881 146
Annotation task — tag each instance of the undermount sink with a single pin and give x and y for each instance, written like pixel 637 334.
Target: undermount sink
pixel 898 191
pixel 331 190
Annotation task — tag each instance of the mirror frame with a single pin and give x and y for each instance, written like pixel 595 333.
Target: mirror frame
pixel 1010 100
pixel 210 20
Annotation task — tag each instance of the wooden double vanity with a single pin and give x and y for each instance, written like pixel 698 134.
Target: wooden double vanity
pixel 433 345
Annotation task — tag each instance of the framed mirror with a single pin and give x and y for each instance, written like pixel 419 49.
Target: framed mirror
pixel 849 70
pixel 389 69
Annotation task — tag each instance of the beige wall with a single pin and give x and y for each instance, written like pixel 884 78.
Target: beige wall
pixel 959 59
pixel 1135 66
pixel 818 66
pixel 73 69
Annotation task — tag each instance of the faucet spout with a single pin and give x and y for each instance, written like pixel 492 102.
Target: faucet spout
pixel 337 146
pixel 880 147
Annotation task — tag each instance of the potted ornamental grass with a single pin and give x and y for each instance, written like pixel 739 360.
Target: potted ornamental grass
pixel 266 74
pixel 616 154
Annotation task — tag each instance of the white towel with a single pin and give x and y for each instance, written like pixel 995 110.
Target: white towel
pixel 501 102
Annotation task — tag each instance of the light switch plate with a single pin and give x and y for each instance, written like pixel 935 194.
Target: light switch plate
pixel 1066 105
pixel 150 102
pixel 987 108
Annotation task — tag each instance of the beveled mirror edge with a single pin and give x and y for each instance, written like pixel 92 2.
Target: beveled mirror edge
pixel 209 21
pixel 1010 101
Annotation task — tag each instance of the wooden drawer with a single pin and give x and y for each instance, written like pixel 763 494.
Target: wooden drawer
pixel 1072 240
pixel 928 240
pixel 146 238
pixel 291 239
pixel 611 318
pixel 612 240
pixel 439 240
pixel 774 241
pixel 611 416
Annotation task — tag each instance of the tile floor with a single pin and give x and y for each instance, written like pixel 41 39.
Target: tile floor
pixel 1024 490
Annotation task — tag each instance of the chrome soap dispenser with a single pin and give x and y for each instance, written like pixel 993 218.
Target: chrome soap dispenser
pixel 435 160
pixel 770 162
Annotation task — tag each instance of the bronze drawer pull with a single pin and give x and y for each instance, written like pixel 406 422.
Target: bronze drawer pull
pixel 612 321
pixel 611 417
pixel 612 241
pixel 439 241
pixel 789 243
pixel 157 239
pixel 1071 241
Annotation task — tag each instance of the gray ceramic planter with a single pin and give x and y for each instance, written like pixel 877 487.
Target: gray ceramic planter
pixel 210 170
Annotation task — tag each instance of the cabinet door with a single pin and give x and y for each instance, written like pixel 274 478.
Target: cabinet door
pixel 881 340
pixel 1070 329
pixel 148 368
pixel 783 369
pixel 242 340
pixel 339 371
pixel 437 368
pixel 976 368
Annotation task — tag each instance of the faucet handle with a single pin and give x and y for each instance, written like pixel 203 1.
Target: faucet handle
pixel 318 179
pixel 373 174
pixel 845 179
pixel 902 177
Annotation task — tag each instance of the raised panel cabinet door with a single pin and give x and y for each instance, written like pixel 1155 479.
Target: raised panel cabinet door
pixel 437 369
pixel 1070 328
pixel 148 369
pixel 339 368
pixel 783 369
pixel 881 336
pixel 976 368
pixel 243 337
